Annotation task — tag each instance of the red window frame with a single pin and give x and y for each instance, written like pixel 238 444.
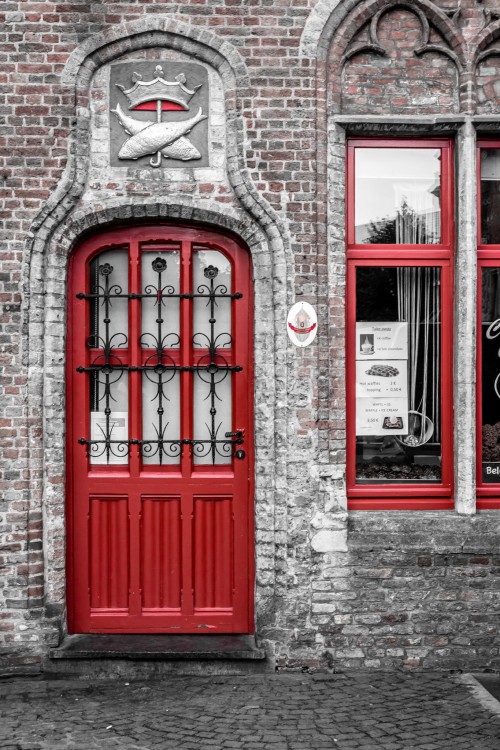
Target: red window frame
pixel 488 256
pixel 403 496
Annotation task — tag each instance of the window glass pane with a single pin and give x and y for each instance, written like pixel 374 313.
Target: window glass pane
pixel 109 382
pixel 212 405
pixel 160 310
pixel 490 196
pixel 397 196
pixel 160 416
pixel 212 410
pixel 490 332
pixel 109 280
pixel 211 271
pixel 398 375
pixel 109 417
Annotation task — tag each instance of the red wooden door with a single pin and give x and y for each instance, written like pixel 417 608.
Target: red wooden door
pixel 160 454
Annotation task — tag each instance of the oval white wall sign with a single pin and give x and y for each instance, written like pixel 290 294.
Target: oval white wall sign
pixel 302 324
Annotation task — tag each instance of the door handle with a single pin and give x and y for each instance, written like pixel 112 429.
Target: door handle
pixel 238 434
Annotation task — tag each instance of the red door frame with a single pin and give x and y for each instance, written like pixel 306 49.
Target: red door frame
pixel 402 496
pixel 488 495
pixel 200 480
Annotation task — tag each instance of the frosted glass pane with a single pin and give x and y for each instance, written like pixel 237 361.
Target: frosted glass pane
pixel 109 417
pixel 203 280
pixel 109 271
pixel 397 196
pixel 160 273
pixel 160 416
pixel 212 410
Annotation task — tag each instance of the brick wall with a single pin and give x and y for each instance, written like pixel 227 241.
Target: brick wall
pixel 282 70
pixel 406 595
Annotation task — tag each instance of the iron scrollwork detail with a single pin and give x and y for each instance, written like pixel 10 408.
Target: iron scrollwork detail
pixel 160 368
pixel 213 368
pixel 107 368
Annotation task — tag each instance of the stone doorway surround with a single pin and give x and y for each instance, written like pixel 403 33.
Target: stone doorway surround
pixel 81 204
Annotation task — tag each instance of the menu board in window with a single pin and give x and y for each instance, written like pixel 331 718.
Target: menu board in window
pixel 381 378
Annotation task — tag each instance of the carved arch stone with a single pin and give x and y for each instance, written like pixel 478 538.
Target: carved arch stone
pixel 487 69
pixel 378 67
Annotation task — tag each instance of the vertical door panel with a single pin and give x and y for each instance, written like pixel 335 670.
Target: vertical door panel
pixel 161 571
pixel 213 553
pixel 109 553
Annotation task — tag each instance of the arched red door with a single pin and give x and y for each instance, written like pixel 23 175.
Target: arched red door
pixel 160 450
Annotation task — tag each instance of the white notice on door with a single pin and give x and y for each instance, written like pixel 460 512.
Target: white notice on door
pixel 381 340
pixel 118 431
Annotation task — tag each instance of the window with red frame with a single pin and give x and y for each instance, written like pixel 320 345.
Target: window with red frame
pixel 399 323
pixel 488 350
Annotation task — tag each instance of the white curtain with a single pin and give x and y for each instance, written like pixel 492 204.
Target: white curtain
pixel 418 219
pixel 419 305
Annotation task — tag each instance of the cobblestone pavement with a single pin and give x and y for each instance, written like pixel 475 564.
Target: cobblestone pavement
pixel 265 712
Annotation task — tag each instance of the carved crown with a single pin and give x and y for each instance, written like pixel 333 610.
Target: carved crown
pixel 159 88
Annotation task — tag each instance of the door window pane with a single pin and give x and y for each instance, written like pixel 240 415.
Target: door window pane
pixel 109 308
pixel 160 416
pixel 212 409
pixel 397 196
pixel 212 393
pixel 109 380
pixel 490 196
pixel 211 272
pixel 109 417
pixel 490 360
pixel 398 372
pixel 160 309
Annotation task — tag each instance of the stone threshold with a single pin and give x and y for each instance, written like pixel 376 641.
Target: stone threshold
pixel 153 647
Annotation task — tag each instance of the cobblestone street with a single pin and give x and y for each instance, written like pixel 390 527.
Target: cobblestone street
pixel 283 712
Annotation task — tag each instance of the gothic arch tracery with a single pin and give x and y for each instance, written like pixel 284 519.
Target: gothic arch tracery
pixel 371 36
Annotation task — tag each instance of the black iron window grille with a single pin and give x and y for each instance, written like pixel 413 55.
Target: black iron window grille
pixel 107 368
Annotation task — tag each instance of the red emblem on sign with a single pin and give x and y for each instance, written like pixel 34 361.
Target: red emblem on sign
pixel 302 324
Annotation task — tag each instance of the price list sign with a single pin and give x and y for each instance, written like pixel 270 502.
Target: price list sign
pixel 381 378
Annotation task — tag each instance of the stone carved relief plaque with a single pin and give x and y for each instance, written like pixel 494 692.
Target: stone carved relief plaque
pixel 159 114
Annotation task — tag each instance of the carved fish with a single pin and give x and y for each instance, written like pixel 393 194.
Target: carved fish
pixel 181 149
pixel 156 137
pixel 130 126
